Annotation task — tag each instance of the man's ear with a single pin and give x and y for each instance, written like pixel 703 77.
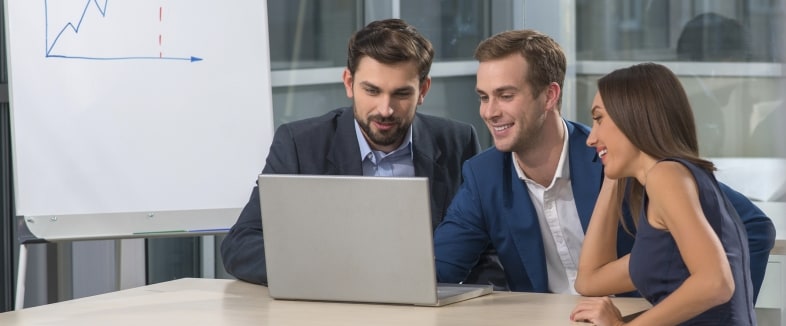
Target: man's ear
pixel 553 92
pixel 424 88
pixel 347 78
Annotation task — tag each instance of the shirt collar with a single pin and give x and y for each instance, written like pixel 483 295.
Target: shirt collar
pixel 563 170
pixel 365 149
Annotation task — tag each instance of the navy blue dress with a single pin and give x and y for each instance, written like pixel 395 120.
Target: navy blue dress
pixel 657 269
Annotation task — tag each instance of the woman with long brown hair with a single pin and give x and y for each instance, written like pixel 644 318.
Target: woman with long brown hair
pixel 690 258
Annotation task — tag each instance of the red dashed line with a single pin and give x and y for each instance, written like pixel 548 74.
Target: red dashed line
pixel 160 37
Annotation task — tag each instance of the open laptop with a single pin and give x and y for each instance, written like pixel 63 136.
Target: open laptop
pixel 352 239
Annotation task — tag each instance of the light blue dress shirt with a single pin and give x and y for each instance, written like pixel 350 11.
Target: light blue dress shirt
pixel 397 163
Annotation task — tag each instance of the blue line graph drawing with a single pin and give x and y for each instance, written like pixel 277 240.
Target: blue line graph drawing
pixel 70 31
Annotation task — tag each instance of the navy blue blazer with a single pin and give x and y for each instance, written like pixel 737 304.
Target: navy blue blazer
pixel 493 207
pixel 327 145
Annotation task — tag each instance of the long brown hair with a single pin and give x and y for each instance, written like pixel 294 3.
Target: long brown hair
pixel 648 104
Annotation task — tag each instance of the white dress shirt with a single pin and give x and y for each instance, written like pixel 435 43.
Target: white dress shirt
pixel 559 223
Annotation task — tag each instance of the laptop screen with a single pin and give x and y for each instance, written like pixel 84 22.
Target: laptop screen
pixel 348 238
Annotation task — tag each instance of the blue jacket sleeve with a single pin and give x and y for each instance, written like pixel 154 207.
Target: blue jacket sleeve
pixel 761 234
pixel 461 238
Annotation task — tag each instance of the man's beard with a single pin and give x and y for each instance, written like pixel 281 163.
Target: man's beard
pixel 385 138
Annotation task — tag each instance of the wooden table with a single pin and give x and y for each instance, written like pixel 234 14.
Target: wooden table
pixel 229 302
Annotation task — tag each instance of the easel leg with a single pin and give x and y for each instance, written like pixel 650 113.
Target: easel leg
pixel 21 276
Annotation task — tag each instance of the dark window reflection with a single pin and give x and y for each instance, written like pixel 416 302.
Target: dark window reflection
pixel 455 27
pixel 311 33
pixel 668 30
pixel 713 37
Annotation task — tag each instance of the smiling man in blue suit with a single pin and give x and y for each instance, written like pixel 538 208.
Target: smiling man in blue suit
pixel 531 195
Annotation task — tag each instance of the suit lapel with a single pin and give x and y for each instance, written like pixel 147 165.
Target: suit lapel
pixel 344 153
pixel 523 225
pixel 427 158
pixel 425 154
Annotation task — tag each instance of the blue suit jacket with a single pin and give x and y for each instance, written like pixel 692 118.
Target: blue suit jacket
pixel 493 207
pixel 327 145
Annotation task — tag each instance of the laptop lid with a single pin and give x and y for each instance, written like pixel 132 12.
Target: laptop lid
pixel 351 238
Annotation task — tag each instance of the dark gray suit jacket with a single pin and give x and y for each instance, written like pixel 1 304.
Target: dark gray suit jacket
pixel 327 145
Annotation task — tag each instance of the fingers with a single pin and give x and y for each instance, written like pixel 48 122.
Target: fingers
pixel 597 310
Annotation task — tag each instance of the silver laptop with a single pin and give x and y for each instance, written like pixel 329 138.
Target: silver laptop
pixel 352 239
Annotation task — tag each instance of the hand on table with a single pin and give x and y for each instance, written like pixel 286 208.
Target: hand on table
pixel 597 310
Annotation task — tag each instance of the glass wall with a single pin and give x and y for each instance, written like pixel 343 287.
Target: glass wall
pixel 679 30
pixel 311 34
pixel 454 27
pixel 727 53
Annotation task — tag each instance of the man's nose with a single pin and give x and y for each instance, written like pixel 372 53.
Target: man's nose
pixel 384 106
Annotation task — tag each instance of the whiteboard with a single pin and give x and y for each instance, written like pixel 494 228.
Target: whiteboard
pixel 137 105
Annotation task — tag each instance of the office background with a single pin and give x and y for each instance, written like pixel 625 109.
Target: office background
pixel 728 54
